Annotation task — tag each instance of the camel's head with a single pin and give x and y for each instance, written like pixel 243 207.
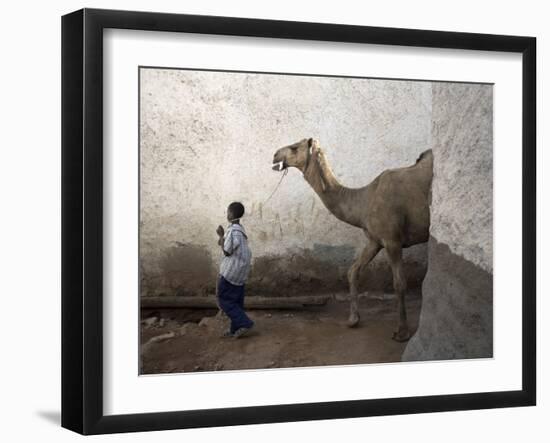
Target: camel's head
pixel 296 155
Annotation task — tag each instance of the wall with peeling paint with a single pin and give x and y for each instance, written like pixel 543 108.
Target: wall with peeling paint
pixel 208 138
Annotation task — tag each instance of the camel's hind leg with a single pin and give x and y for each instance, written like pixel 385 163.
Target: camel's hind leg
pixel 395 255
pixel 367 255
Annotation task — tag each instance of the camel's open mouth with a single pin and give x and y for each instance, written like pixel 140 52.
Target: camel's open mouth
pixel 279 166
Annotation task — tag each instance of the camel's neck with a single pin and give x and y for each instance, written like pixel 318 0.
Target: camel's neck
pixel 338 199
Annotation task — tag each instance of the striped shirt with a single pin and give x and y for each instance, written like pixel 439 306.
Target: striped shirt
pixel 236 266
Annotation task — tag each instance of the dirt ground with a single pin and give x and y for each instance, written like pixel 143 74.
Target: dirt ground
pixel 184 340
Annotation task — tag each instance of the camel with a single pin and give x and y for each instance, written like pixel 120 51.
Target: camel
pixel 393 211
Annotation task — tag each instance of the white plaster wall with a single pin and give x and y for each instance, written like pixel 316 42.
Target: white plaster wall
pixel 208 138
pixel 462 188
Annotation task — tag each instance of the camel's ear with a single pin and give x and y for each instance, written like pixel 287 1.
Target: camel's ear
pixel 310 143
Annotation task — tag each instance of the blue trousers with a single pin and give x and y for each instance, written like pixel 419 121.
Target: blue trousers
pixel 231 300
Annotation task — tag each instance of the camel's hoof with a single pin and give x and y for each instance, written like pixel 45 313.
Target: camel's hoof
pixel 401 335
pixel 353 321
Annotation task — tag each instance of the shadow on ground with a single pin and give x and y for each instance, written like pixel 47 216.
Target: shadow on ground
pixel 54 417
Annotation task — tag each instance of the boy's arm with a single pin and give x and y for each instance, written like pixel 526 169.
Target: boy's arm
pixel 221 243
pixel 221 239
pixel 228 244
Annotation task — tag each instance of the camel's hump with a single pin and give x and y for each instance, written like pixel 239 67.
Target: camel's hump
pixel 427 154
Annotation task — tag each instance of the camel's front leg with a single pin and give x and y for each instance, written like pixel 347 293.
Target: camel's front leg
pixel 367 255
pixel 395 255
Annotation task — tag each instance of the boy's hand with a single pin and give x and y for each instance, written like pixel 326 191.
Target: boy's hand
pixel 220 231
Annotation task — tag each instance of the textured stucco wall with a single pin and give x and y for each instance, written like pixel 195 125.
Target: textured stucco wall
pixel 208 138
pixel 456 320
pixel 462 189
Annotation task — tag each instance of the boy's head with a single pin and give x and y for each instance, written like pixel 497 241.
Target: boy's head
pixel 235 211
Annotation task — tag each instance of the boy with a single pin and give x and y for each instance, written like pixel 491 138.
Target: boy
pixel 234 271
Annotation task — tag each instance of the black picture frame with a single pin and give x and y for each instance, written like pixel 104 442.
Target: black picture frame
pixel 82 218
